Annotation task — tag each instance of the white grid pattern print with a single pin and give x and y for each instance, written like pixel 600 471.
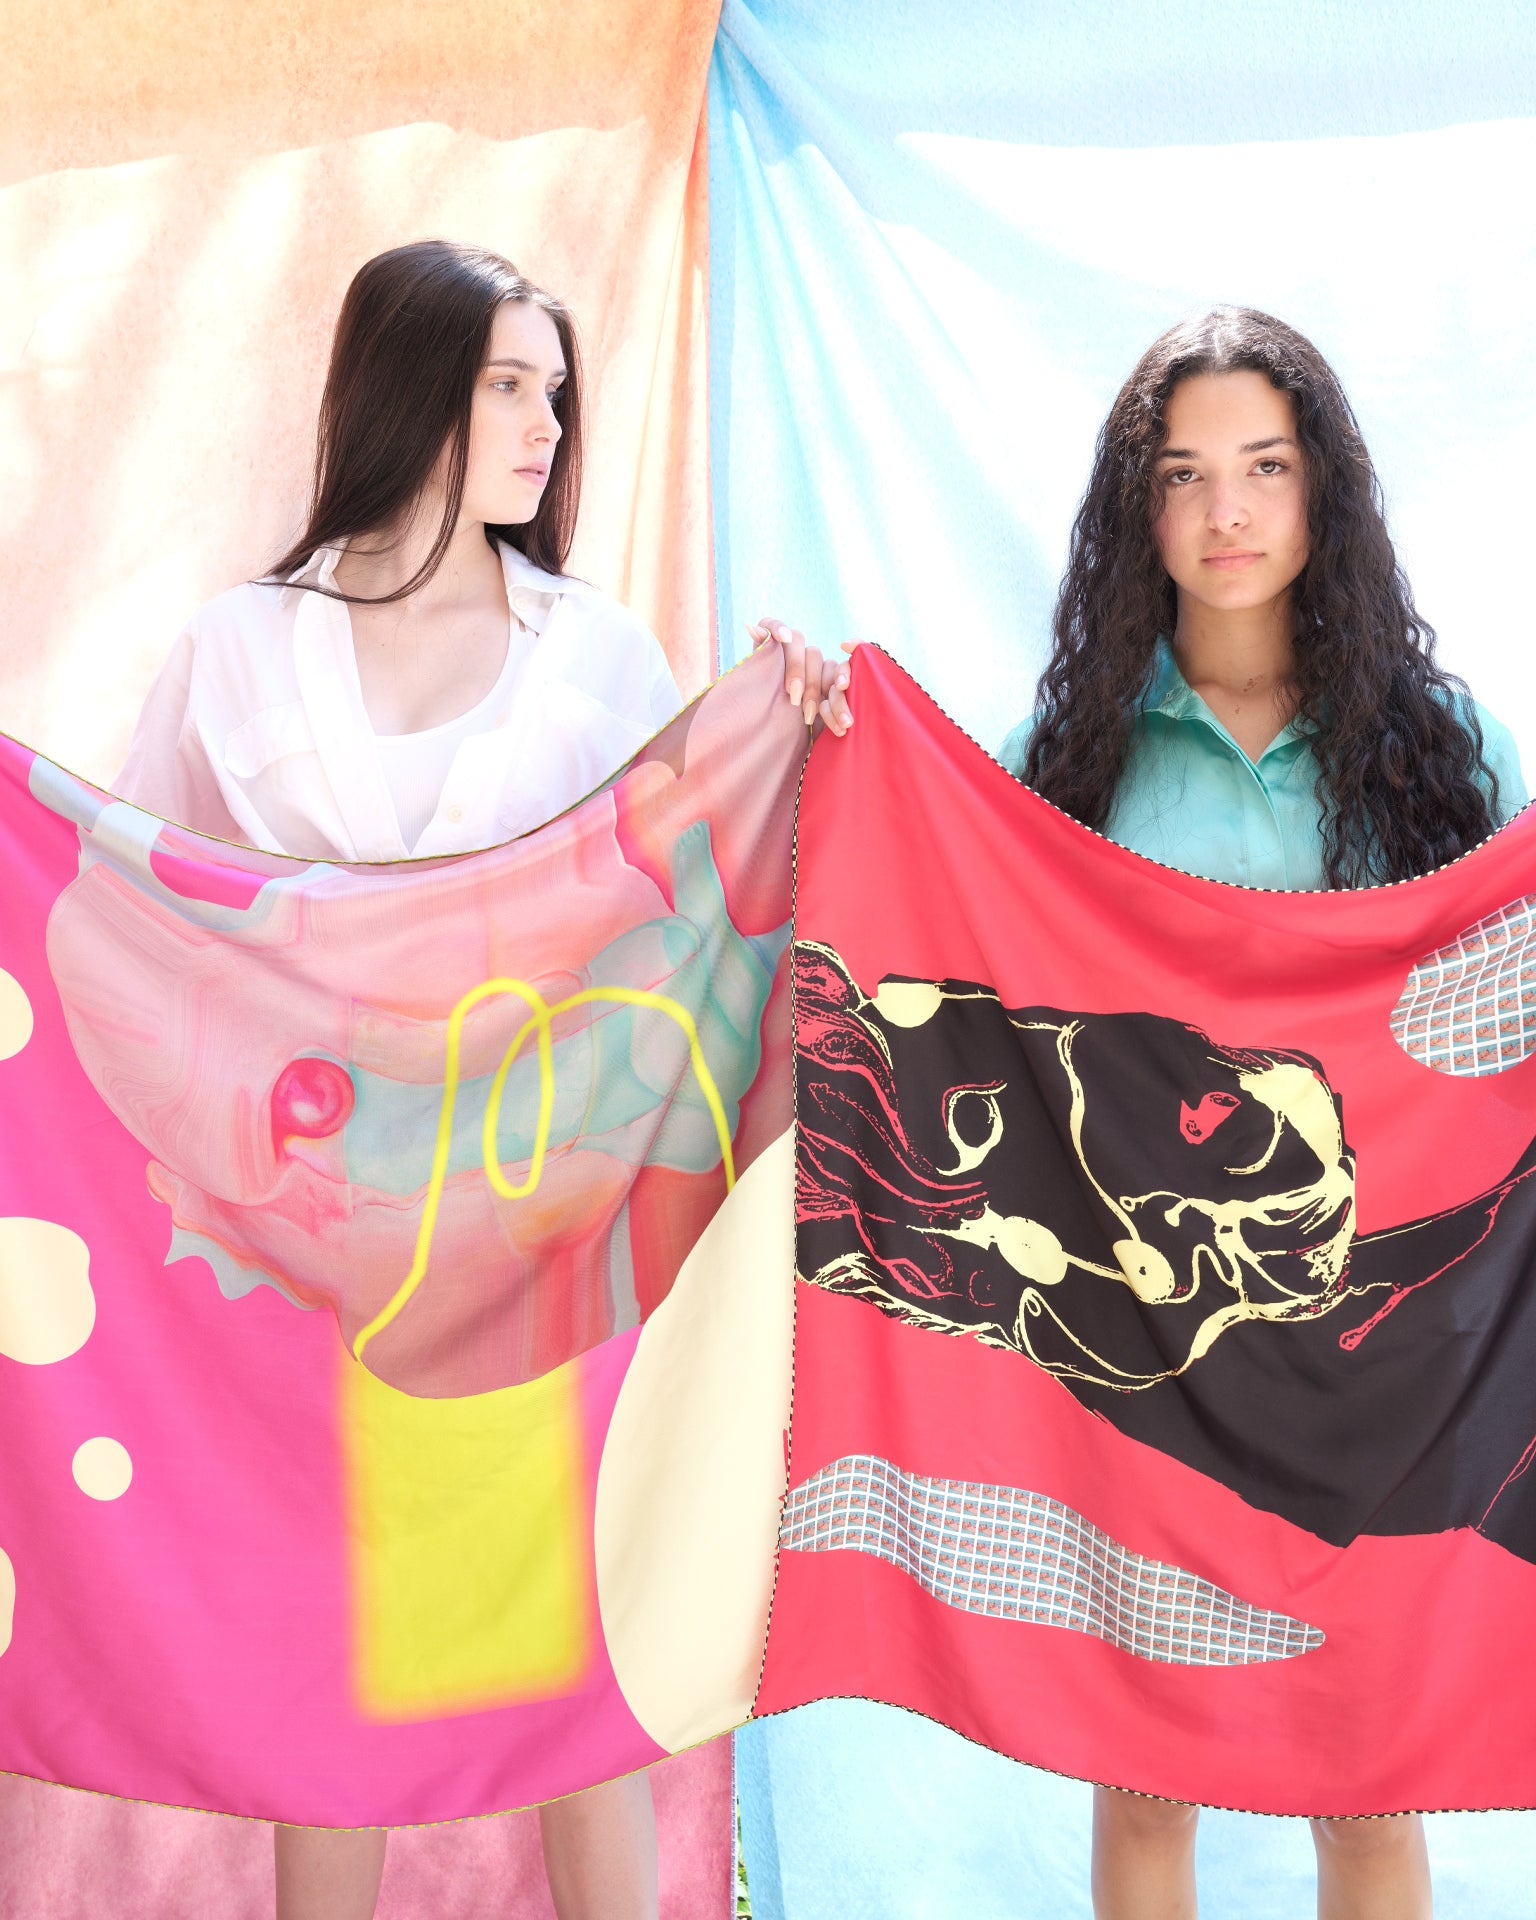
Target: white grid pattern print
pixel 1470 1009
pixel 1017 1555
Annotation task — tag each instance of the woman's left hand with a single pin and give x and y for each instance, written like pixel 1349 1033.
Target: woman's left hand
pixel 835 711
pixel 815 685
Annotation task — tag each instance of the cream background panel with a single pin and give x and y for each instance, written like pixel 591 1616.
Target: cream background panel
pixel 188 191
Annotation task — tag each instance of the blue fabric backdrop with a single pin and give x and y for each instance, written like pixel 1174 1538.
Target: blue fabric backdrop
pixel 943 230
pixel 941 233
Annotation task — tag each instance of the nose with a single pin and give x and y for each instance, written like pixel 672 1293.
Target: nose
pixel 546 429
pixel 1227 509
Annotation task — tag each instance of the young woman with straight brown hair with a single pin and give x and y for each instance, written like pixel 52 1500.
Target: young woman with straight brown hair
pixel 417 675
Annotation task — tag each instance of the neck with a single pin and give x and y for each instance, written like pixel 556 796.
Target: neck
pixel 379 564
pixel 1240 663
pixel 1244 653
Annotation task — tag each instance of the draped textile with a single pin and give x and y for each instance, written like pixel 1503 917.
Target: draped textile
pixel 395 1275
pixel 183 201
pixel 344 1485
pixel 939 240
pixel 1166 1297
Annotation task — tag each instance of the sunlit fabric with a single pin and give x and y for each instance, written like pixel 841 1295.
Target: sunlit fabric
pixel 361 1232
pixel 180 214
pixel 1162 1357
pixel 939 240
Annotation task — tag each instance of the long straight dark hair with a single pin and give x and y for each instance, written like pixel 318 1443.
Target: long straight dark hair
pixel 1398 746
pixel 411 338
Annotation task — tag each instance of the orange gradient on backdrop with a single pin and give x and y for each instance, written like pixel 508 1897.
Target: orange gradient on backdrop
pixel 185 191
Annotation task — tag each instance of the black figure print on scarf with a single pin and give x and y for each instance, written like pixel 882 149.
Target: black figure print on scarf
pixel 1166 1225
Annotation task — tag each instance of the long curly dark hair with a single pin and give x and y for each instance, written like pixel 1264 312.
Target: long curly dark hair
pixel 1397 742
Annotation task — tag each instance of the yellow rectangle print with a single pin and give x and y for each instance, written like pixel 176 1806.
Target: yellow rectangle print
pixel 470 1545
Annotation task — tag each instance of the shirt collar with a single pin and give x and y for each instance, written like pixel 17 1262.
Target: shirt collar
pixel 1169 693
pixel 319 569
pixel 517 566
pixel 531 592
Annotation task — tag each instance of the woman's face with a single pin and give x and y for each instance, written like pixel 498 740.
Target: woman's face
pixel 512 426
pixel 1232 528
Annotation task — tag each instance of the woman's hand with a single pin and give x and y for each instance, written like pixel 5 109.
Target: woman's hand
pixel 816 686
pixel 834 709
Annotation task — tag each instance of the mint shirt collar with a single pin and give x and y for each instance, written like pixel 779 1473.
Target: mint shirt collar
pixel 1168 693
pixel 1191 798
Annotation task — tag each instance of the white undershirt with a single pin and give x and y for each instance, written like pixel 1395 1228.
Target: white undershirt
pixel 416 765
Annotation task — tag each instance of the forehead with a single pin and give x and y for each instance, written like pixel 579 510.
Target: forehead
pixel 522 331
pixel 1213 412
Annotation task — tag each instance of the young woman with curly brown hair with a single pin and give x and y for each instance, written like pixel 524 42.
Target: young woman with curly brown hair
pixel 1241 686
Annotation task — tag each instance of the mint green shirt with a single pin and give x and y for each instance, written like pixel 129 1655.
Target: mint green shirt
pixel 1191 798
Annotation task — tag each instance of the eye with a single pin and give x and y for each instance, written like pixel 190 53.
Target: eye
pixel 1268 467
pixel 1178 476
pixel 312 1098
pixel 970 1153
pixel 1197 1123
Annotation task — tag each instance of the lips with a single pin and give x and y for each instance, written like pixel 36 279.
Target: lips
pixel 535 476
pixel 1232 561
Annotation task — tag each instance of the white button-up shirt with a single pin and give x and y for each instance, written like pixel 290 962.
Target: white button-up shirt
pixel 256 730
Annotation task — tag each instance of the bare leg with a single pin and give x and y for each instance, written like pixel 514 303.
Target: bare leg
pixel 1372 1869
pixel 600 1851
pixel 1143 1857
pixel 328 1874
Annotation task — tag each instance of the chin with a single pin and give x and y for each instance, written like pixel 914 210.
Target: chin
pixel 1239 596
pixel 515 508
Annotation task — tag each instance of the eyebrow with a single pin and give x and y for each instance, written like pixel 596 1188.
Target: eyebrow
pixel 1251 446
pixel 527 366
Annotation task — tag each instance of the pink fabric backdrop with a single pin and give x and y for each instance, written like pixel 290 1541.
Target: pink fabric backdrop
pixel 184 193
pixel 83 1856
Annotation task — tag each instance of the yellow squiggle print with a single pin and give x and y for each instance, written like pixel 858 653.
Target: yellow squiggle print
pixel 541 1021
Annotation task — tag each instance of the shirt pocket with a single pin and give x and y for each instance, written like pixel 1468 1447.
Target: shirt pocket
pixel 267 737
pixel 570 744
